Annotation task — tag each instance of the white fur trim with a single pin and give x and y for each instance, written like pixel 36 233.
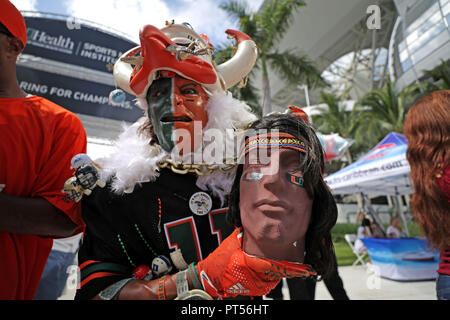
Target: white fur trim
pixel 134 160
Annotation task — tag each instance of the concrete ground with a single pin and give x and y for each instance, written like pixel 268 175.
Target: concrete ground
pixel 360 284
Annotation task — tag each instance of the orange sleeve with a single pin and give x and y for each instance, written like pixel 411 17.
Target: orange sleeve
pixel 68 139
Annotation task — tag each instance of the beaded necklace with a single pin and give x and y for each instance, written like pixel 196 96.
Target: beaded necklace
pixel 125 250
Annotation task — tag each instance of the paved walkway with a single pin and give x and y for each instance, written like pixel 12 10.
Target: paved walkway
pixel 360 284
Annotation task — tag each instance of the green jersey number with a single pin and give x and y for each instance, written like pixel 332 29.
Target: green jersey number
pixel 184 231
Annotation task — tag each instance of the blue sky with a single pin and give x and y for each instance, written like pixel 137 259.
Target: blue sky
pixel 129 15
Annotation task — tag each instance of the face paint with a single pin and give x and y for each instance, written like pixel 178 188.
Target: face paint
pixel 298 181
pixel 159 101
pixel 178 104
pixel 252 176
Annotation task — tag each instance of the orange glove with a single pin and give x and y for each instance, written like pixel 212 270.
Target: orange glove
pixel 229 271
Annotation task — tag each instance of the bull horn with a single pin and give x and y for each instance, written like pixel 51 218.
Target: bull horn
pixel 240 65
pixel 123 69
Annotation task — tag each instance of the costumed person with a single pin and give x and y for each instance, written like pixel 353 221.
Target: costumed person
pixel 427 129
pixel 38 138
pixel 151 229
pixel 285 207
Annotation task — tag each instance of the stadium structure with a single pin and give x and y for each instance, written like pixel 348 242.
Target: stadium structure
pixel 413 36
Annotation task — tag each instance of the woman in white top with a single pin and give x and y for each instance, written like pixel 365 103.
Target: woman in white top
pixel 394 230
pixel 364 231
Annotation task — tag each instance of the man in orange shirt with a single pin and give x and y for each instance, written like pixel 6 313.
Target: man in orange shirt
pixel 38 139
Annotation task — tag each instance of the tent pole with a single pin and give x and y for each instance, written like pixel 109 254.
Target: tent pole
pixel 401 212
pixel 368 208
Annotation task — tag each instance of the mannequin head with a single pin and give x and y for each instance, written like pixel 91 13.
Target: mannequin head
pixel 284 205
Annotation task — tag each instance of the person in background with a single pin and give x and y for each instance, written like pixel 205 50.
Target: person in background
pixel 376 232
pixel 395 230
pixel 38 139
pixel 427 129
pixel 364 231
pixel 58 268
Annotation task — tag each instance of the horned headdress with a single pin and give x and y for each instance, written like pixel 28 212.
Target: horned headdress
pixel 178 48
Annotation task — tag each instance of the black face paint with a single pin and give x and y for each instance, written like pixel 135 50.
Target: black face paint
pixel 298 181
pixel 159 99
pixel 252 176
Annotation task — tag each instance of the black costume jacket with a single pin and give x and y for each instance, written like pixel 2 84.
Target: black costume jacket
pixel 122 230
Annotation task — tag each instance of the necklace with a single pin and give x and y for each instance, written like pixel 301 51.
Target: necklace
pixel 200 169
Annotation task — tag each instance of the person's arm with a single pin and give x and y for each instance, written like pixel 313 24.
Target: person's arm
pixel 226 272
pixel 34 216
pixel 148 290
pixel 368 233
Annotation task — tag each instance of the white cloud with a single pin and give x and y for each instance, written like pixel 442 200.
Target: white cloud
pixel 129 16
pixel 255 4
pixel 24 5
pixel 126 16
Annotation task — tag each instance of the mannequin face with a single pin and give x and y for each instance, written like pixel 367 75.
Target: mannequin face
pixel 178 103
pixel 275 207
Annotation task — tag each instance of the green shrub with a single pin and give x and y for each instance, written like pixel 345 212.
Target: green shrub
pixel 340 229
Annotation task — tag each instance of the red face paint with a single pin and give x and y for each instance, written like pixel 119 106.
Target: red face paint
pixel 189 105
pixel 177 104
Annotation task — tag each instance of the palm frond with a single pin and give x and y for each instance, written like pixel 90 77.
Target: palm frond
pixel 237 9
pixel 275 19
pixel 296 68
pixel 240 12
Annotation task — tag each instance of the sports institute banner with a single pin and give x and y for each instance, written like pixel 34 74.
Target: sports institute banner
pixel 78 96
pixel 75 43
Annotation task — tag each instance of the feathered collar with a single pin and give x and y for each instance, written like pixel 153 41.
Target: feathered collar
pixel 135 161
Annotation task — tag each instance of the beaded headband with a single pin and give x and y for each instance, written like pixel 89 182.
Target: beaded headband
pixel 278 140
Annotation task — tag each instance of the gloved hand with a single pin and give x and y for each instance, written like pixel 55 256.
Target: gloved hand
pixel 228 271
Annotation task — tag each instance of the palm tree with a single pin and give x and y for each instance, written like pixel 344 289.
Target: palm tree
pixel 440 77
pixel 245 92
pixel 267 28
pixel 387 108
pixel 333 118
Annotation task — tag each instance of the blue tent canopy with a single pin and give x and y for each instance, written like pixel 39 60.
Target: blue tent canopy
pixel 384 170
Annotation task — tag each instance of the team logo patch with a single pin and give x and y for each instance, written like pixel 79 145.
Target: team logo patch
pixel 298 181
pixel 200 203
pixel 252 176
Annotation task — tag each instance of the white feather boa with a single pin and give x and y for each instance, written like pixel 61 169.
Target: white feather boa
pixel 134 160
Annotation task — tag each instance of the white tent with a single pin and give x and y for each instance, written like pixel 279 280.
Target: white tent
pixel 384 170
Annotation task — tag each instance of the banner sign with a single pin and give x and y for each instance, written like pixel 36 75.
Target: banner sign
pixel 76 44
pixel 78 96
pixel 402 259
pixel 384 170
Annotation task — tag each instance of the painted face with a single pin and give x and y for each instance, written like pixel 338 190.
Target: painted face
pixel 177 109
pixel 275 207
